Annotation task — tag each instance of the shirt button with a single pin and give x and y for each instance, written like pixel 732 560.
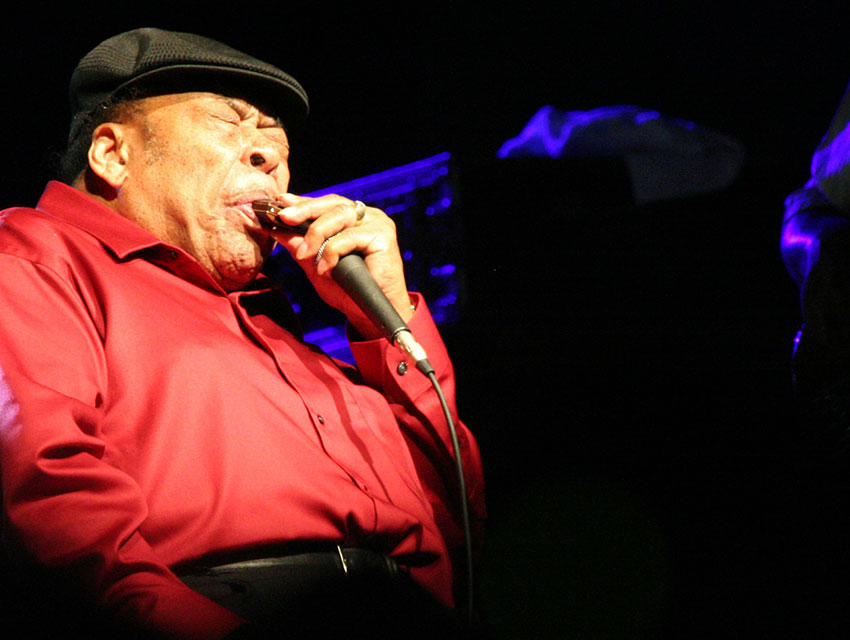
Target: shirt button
pixel 402 368
pixel 172 254
pixel 321 419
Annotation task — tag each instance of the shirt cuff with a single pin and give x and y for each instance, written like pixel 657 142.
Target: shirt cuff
pixel 383 365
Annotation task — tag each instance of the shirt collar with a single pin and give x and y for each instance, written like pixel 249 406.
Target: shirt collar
pixel 125 239
pixel 118 234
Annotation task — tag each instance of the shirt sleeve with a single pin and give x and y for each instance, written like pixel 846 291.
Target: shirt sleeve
pixel 822 207
pixel 830 166
pixel 810 217
pixel 67 507
pixel 419 413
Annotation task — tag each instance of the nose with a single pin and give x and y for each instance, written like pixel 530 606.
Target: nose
pixel 260 160
pixel 262 154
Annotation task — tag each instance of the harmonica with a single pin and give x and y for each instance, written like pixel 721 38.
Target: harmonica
pixel 268 213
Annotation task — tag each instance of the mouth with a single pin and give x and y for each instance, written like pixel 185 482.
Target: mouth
pixel 247 212
pixel 242 205
pixel 243 221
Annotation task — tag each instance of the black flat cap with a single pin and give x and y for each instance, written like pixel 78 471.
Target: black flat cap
pixel 175 62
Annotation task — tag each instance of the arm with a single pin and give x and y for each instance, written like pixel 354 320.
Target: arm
pixel 810 224
pixel 815 240
pixel 419 414
pixel 815 246
pixel 411 396
pixel 69 511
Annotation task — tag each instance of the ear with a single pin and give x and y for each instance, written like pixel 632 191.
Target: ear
pixel 109 153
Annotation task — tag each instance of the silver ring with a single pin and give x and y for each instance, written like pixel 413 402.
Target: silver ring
pixel 359 211
pixel 322 250
pixel 322 247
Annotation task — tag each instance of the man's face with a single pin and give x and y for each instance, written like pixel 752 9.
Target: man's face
pixel 197 161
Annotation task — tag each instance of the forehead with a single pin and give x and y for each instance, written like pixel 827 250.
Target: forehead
pixel 198 100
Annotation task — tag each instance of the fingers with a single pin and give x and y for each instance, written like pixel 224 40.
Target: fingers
pixel 338 226
pixel 363 240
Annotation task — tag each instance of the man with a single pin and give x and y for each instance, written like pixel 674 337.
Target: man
pixel 162 424
pixel 816 249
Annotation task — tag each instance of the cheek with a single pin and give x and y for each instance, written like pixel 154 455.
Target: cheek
pixel 197 184
pixel 191 156
pixel 281 176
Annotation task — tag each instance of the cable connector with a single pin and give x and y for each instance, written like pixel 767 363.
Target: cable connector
pixel 405 341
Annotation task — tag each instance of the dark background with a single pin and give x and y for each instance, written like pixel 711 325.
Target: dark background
pixel 626 368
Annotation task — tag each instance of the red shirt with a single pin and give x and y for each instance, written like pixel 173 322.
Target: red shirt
pixel 147 418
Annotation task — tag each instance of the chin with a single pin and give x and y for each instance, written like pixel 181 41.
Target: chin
pixel 233 281
pixel 239 268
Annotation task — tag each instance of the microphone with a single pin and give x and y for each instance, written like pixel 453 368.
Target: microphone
pixel 352 274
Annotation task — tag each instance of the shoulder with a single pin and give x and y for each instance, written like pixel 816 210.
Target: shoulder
pixel 37 237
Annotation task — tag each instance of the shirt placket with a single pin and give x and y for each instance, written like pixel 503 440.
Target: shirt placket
pixel 317 398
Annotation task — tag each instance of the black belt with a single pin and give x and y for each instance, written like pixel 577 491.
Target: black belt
pixel 356 592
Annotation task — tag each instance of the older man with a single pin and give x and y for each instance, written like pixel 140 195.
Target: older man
pixel 162 424
pixel 815 246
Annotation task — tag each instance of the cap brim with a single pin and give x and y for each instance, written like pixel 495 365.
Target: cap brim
pixel 282 99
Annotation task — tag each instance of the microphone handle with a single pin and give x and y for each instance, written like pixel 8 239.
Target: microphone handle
pixel 352 274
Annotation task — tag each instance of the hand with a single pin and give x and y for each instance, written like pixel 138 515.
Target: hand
pixel 336 232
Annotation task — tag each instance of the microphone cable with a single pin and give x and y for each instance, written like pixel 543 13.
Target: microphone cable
pixel 464 500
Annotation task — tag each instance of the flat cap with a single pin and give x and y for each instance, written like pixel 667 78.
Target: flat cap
pixel 177 62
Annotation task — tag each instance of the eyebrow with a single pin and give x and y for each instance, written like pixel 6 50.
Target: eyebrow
pixel 277 122
pixel 242 107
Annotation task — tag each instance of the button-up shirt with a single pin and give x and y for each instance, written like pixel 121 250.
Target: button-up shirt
pixel 149 418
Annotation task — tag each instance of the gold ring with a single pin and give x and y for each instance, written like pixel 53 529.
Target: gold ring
pixel 359 211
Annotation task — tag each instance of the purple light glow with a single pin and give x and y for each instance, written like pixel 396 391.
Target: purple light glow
pixel 793 238
pixel 793 241
pixel 332 340
pixel 445 270
pixel 552 133
pixel 553 140
pixel 666 157
pixel 385 184
pixel 832 158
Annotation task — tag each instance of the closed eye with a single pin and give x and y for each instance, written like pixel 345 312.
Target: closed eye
pixel 225 114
